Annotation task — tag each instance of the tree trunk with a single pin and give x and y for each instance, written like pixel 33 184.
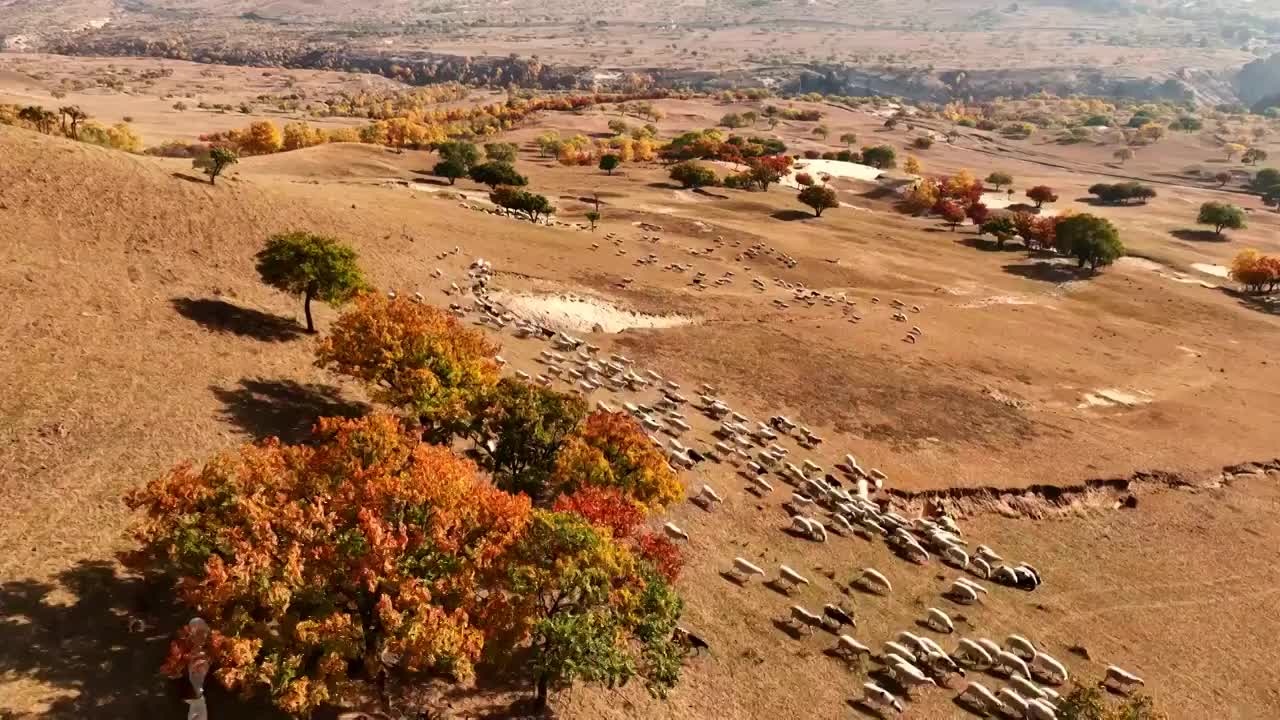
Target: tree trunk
pixel 306 308
pixel 540 699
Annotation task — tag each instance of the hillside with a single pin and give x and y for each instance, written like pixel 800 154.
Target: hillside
pixel 137 336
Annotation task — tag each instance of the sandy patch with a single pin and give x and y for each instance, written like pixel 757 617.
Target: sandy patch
pixel 1145 265
pixel 1214 270
pixel 581 313
pixel 999 300
pixel 834 168
pixel 1000 201
pixel 1112 397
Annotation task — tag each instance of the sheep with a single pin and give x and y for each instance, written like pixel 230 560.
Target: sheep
pixel 895 648
pixel 760 486
pixel 985 699
pixel 980 567
pixel 974 653
pixel 988 554
pixel 990 646
pixel 939 621
pixel 675 532
pixel 871 578
pixel 962 594
pixel 743 569
pixel 793 578
pixel 1021 647
pixel 804 618
pixel 709 496
pixel 910 676
pixel 1019 705
pixel 849 648
pixel 1011 662
pixel 876 696
pixel 1038 709
pixel 1121 679
pixel 692 643
pixel 1005 575
pixel 954 556
pixel 971 585
pixel 935 658
pixel 1052 670
pixel 838 616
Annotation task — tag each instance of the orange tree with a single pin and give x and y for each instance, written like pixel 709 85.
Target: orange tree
pixel 323 567
pixel 518 428
pixel 608 509
pixel 589 609
pixel 414 357
pixel 611 450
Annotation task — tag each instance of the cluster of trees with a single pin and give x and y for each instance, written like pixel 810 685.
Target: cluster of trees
pixel 953 198
pixel 761 172
pixel 374 554
pixel 693 175
pixel 628 145
pixel 712 144
pixel 1122 193
pixel 1257 272
pixel 72 122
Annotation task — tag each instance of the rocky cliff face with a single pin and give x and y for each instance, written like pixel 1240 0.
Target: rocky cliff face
pixel 1259 82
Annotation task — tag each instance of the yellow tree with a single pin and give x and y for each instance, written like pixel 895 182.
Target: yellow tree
pixel 611 450
pixel 912 166
pixel 261 138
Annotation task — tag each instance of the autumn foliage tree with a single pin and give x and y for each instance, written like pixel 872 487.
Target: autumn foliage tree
pixel 1257 272
pixel 1041 194
pixel 312 266
pixel 612 450
pixel 951 212
pixel 518 429
pixel 610 509
pixel 328 568
pixel 818 197
pixel 413 357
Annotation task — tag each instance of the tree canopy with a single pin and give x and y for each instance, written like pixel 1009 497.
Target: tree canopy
pixel 496 173
pixel 879 156
pixel 612 450
pixel 518 429
pixel 998 179
pixel 1091 240
pixel 1221 216
pixel 1041 194
pixel 609 162
pixel 213 162
pixel 692 175
pixel 313 266
pixel 530 204
pixel 1122 193
pixel 818 197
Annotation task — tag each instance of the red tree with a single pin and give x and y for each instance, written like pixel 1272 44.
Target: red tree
pixel 978 213
pixel 609 509
pixel 951 211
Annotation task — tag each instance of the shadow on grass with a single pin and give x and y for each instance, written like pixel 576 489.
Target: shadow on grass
pixel 978 242
pixel 283 408
pixel 224 317
pixel 1269 304
pixel 96 636
pixel 791 215
pixel 1198 235
pixel 1048 272
pixel 707 193
pixel 191 178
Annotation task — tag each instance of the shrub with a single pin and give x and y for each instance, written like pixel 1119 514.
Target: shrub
pixel 922 143
pixel 214 162
pixel 1000 178
pixel 692 175
pixel 609 162
pixel 879 156
pixel 804 179
pixel 500 152
pixel 1122 193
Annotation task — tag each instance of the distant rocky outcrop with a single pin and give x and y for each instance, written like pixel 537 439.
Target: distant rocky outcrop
pixel 1258 83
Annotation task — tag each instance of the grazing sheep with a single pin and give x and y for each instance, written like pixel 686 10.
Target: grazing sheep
pixel 1015 701
pixel 974 653
pixel 1038 709
pixel 935 659
pixel 939 621
pixel 793 578
pixel 988 554
pixel 760 485
pixel 1011 663
pixel 989 645
pixel 1052 670
pixel 872 579
pixel 962 593
pixel 709 496
pixel 1021 647
pixel 983 698
pixel 743 569
pixel 804 618
pixel 1121 679
pixel 838 616
pixel 910 676
pixel 849 648
pixel 895 648
pixel 692 643
pixel 980 567
pixel 1025 687
pixel 956 557
pixel 972 585
pixel 876 696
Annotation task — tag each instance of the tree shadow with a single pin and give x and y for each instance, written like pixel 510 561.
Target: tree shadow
pixel 191 178
pixel 665 186
pixel 97 635
pixel 790 215
pixel 1269 304
pixel 283 408
pixel 978 242
pixel 1048 272
pixel 223 317
pixel 1198 235
pixel 429 179
pixel 708 193
pixel 969 704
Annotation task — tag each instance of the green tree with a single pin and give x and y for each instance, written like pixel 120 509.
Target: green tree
pixel 618 126
pixel 1089 239
pixel 1253 156
pixel 1221 216
pixel 822 131
pixel 313 266
pixel 1187 123
pixel 450 168
pixel 818 197
pixel 518 428
pixel 463 153
pixel 693 175
pixel 590 609
pixel 998 179
pixel 1265 180
pixel 609 162
pixel 879 156
pixel 849 140
pixel 494 174
pixel 1001 227
pixel 500 152
pixel 212 163
pixel 593 217
pixel 531 205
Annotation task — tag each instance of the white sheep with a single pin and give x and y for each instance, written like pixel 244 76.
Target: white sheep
pixel 962 593
pixel 709 495
pixel 1025 687
pixel 1011 663
pixel 989 645
pixel 761 485
pixel 872 578
pixel 1054 671
pixel 971 584
pixel 954 556
pixel 1021 647
pixel 988 702
pixel 974 653
pixel 848 648
pixel 910 676
pixel 895 648
pixel 1015 700
pixel 939 621
pixel 1038 709
pixel 743 569
pixel 1121 679
pixel 675 532
pixel 790 576
pixel 981 567
pixel 988 554
pixel 804 618
pixel 876 696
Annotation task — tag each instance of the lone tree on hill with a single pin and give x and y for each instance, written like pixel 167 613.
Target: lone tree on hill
pixel 312 266
pixel 494 174
pixel 1221 216
pixel 997 179
pixel 818 197
pixel 450 168
pixel 1223 178
pixel 1041 194
pixel 609 162
pixel 849 140
pixel 214 162
pixel 879 156
pixel 1089 239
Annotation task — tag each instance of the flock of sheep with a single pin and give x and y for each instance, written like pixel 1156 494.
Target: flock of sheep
pixel 844 503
